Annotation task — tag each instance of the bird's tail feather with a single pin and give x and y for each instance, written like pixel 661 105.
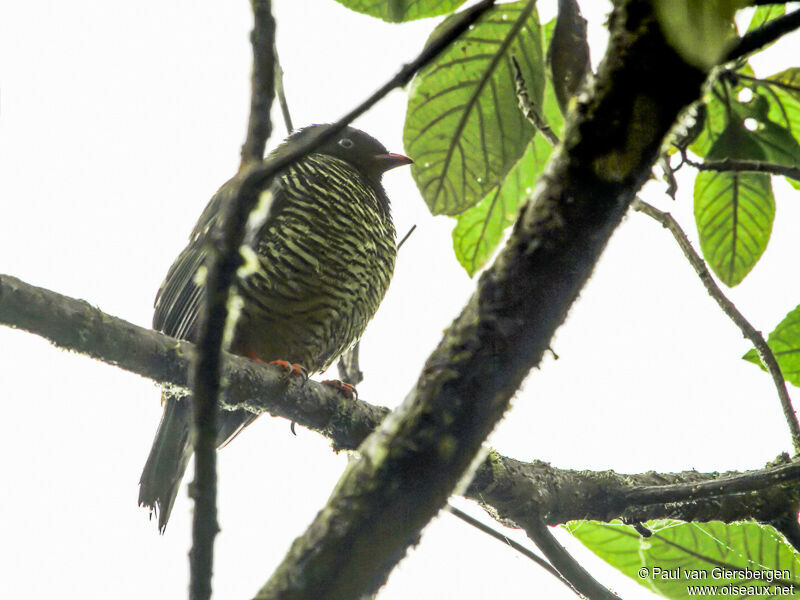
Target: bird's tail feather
pixel 169 456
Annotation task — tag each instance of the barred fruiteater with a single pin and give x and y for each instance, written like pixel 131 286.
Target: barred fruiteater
pixel 320 261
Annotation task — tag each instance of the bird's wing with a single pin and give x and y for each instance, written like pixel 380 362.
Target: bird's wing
pixel 180 298
pixel 178 301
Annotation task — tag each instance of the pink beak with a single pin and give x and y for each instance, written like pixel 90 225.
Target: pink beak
pixel 390 160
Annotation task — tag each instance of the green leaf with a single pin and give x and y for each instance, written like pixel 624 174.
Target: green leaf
pixel 785 344
pixel 734 211
pixel 734 214
pixel 764 14
pixel 679 556
pixel 463 127
pixel 478 230
pixel 397 11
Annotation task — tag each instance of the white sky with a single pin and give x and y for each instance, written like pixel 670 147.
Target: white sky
pixel 119 120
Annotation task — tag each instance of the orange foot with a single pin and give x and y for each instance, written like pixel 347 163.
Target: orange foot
pixel 347 390
pixel 292 369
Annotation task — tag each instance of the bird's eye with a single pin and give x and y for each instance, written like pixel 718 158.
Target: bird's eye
pixel 346 143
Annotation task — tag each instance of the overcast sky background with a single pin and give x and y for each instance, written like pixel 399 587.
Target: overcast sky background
pixel 119 120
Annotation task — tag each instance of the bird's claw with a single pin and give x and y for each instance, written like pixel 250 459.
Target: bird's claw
pixel 347 390
pixel 292 369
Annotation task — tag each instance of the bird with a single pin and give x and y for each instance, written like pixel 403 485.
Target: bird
pixel 318 264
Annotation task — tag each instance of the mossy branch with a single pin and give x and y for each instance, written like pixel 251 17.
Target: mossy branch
pixel 513 491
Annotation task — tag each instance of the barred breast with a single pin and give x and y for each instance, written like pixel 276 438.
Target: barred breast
pixel 325 254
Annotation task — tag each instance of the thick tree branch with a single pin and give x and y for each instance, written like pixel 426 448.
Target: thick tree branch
pixel 724 486
pixel 512 490
pixel 411 464
pixel 520 493
pixel 222 261
pixel 748 331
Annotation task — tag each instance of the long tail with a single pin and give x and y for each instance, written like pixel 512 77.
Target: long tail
pixel 169 456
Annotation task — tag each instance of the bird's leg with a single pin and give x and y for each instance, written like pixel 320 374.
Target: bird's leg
pixel 345 389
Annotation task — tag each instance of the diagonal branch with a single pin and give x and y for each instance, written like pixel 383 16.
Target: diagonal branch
pixel 411 464
pixel 749 332
pixel 258 175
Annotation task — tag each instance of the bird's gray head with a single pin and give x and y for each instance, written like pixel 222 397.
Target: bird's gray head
pixel 357 148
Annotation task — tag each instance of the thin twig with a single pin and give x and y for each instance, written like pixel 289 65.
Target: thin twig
pixel 470 520
pixel 528 108
pixel 405 237
pixel 749 332
pixel 752 166
pixel 280 92
pixel 578 577
pixel 754 40
pixel 223 260
pixel 265 172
